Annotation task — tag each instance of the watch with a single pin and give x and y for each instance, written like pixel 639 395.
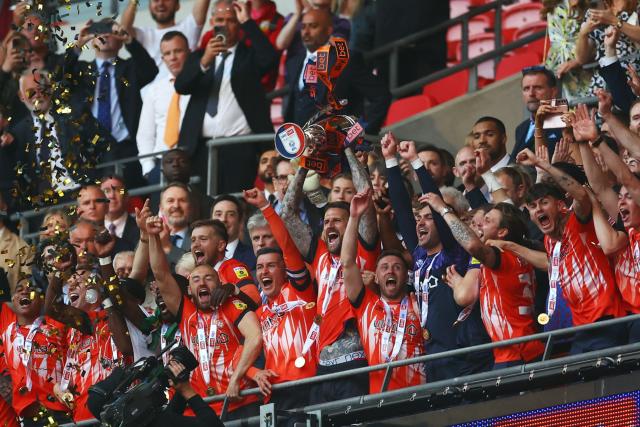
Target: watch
pixel 619 24
pixel 446 211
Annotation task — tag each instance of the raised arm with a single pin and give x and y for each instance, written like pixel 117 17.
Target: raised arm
pixel 129 16
pixel 169 289
pixel 620 131
pixel 466 289
pixel 611 241
pixel 199 11
pixel 388 235
pixel 538 259
pixel 622 172
pixel 368 228
pixel 585 50
pixel 298 230
pixel 289 29
pixel 464 235
pixel 249 327
pixel 55 307
pixel 581 201
pixel 140 268
pixel 349 251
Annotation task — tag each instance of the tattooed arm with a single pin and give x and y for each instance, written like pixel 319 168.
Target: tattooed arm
pixel 299 231
pixel 464 235
pixel 581 201
pixel 368 227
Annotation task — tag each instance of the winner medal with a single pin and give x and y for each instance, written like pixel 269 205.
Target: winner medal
pixel 543 318
pixel 300 362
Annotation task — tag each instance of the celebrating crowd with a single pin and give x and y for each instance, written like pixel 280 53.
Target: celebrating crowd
pixel 291 273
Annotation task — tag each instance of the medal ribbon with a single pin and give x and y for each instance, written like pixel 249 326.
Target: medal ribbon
pixel 25 355
pixel 388 326
pixel 72 353
pixel 422 291
pixel 554 278
pixel 286 307
pixel 206 347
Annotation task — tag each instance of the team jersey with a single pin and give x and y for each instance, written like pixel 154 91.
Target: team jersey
pixel 222 342
pixel 627 272
pixel 372 321
pixel 33 373
pixel 469 326
pixel 507 300
pixel 90 359
pixel 285 322
pixel 237 273
pixel 8 417
pixel 339 308
pixel 585 275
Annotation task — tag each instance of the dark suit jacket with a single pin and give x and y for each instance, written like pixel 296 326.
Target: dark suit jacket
pixel 132 74
pixel 356 84
pixel 552 136
pixel 249 65
pixel 244 254
pixel 76 136
pixel 616 78
pixel 131 233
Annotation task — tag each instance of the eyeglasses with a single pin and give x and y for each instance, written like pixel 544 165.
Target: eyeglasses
pixel 534 69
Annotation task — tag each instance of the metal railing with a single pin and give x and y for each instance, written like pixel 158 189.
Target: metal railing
pixel 546 337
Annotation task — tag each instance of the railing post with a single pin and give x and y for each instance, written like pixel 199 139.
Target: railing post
pixel 314 418
pixel 118 169
pixel 387 378
pixel 393 68
pixel 473 79
pixel 268 417
pixel 225 406
pixel 547 348
pixel 24 227
pixel 212 171
pixel 464 42
pixel 497 28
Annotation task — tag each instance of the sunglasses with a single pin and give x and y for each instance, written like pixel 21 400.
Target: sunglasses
pixel 534 69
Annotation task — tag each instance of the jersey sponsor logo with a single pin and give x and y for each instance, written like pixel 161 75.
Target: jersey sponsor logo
pixel 310 305
pixel 241 272
pixel 475 261
pixel 239 305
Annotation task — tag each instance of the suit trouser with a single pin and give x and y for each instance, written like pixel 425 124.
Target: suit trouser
pixel 237 166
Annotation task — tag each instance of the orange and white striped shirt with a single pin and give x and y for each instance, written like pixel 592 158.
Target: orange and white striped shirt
pixel 586 278
pixel 627 271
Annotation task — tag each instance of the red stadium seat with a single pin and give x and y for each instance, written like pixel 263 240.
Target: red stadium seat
pixel 478 45
pixel 477 25
pixel 518 16
pixel 448 87
pixel 458 7
pixel 407 107
pixel 510 65
pixel 538 46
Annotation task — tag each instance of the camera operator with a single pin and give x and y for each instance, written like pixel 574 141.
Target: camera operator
pixel 100 396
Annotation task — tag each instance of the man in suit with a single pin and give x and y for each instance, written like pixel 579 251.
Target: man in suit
pixel 538 84
pixel 228 209
pixel 117 220
pixel 176 209
pixel 355 85
pixel 114 86
pixel 49 139
pixel 17 256
pixel 226 96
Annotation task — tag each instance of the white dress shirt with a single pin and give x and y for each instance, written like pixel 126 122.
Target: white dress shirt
pixel 153 118
pixel 503 162
pixel 150 37
pixel 231 249
pixel 118 128
pixel 310 56
pixel 230 120
pixel 60 178
pixel 118 222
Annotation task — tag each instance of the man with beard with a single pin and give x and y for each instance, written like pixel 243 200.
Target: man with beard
pixel 226 338
pixel 98 337
pixel 580 267
pixel 507 286
pixel 208 245
pixel 265 173
pixel 434 250
pixel 490 134
pixel 228 209
pixel 163 12
pixel 33 346
pixel 287 316
pixel 379 317
pixel 175 210
pixel 338 340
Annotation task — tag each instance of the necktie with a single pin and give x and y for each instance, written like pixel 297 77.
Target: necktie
pixel 104 96
pixel 45 152
pixel 174 239
pixel 112 229
pixel 172 127
pixel 212 103
pixel 532 128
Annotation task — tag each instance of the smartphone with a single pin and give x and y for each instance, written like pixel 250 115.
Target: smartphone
pixel 554 120
pixel 101 27
pixel 220 32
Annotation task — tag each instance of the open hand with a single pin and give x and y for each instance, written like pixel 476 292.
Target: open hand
pixel 360 203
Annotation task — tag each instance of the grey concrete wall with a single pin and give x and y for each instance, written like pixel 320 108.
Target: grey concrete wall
pixel 446 125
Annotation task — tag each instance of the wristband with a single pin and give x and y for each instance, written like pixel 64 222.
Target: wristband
pixel 390 163
pixel 262 208
pixel 417 164
pixel 104 260
pixel 144 240
pixel 491 182
pixel 599 140
pixel 106 303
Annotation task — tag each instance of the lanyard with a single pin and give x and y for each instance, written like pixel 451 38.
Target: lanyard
pixel 554 278
pixel 422 290
pixel 27 344
pixel 464 314
pixel 72 353
pixel 163 341
pixel 285 307
pixel 388 326
pixel 206 347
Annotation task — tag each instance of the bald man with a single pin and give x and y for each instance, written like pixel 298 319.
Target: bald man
pixel 64 132
pixel 355 84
